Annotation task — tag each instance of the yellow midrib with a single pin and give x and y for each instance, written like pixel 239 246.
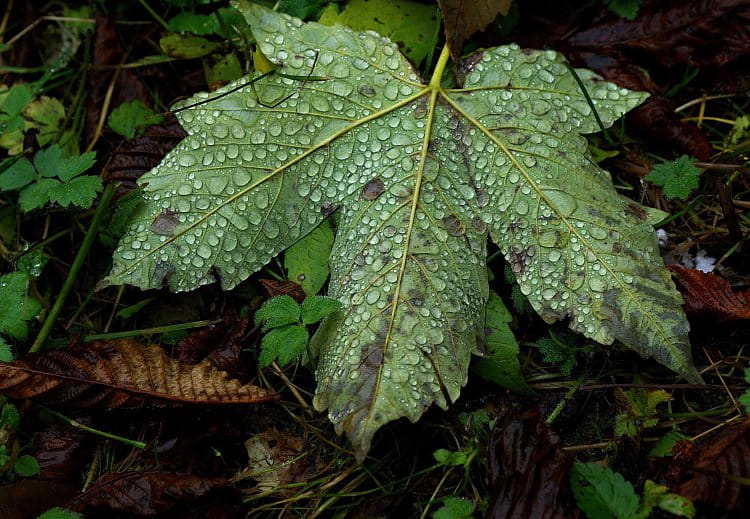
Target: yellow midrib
pixel 434 90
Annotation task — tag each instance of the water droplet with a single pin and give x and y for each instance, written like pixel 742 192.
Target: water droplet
pixel 187 160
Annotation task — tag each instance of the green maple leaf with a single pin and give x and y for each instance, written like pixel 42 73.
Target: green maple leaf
pixel 420 175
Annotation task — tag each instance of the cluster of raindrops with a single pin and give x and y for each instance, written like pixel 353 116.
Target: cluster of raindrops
pixel 537 85
pixel 557 219
pixel 260 164
pixel 410 271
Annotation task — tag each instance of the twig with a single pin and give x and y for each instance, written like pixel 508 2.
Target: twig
pixel 148 331
pixel 78 425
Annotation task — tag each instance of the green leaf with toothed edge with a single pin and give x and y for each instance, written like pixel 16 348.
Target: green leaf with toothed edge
pixel 420 175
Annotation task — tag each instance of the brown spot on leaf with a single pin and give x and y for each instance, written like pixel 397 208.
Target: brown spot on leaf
pixel 165 223
pixel 373 189
pixel 453 225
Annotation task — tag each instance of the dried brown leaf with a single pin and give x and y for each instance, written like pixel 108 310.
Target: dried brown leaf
pixel 707 293
pixel 58 451
pixel 528 471
pixel 132 158
pixel 144 493
pixel 119 373
pixel 27 498
pixel 462 18
pixel 719 463
pixel 699 33
pixel 279 288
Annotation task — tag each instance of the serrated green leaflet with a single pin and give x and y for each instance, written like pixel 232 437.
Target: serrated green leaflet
pixel 420 175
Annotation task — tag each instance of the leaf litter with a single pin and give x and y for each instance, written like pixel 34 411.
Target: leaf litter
pixel 213 445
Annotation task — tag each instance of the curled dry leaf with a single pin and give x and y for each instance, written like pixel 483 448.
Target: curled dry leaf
pixel 462 18
pixel 528 471
pixel 719 464
pixel 708 293
pixel 144 493
pixel 280 288
pixel 132 158
pixel 119 373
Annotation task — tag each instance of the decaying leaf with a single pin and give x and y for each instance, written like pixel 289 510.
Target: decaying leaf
pixel 132 158
pixel 117 373
pixel 144 493
pixel 283 288
pixel 420 175
pixel 278 458
pixel 708 293
pixel 528 471
pixel 719 464
pixel 698 33
pixel 462 18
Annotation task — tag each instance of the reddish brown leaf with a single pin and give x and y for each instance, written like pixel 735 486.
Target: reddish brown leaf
pixel 29 498
pixel 132 158
pixel 657 121
pixel 227 355
pixel 528 471
pixel 462 18
pixel 194 348
pixel 220 344
pixel 144 493
pixel 700 33
pixel 57 449
pixel 707 293
pixel 724 458
pixel 279 288
pixel 111 374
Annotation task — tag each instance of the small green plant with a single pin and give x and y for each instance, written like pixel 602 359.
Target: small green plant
pixel 560 349
pixel 501 365
pixel 744 398
pixel 677 177
pixel 52 178
pixel 59 513
pixel 627 9
pixel 455 508
pixel 17 310
pixel 130 119
pixel 24 465
pixel 285 325
pixel 14 100
pixel 641 411
pixel 602 493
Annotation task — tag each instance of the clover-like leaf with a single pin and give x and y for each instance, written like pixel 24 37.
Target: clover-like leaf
pixel 420 175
